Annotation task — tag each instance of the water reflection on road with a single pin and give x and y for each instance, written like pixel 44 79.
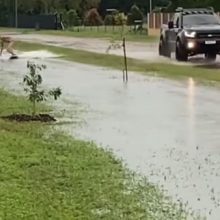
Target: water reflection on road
pixel 191 109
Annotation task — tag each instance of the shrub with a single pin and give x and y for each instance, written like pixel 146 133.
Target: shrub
pixel 64 17
pixel 93 17
pixel 73 18
pixel 135 14
pixel 120 19
pixel 109 20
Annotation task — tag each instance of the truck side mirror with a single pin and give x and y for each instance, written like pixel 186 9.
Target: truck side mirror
pixel 170 24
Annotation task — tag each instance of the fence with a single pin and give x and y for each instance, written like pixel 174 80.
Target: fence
pixel 37 21
pixel 155 20
pixel 31 21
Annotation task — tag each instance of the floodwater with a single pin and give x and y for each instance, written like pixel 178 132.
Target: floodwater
pixel 144 51
pixel 166 130
pixel 137 50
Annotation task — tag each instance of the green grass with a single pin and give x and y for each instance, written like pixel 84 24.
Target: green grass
pixel 110 33
pixel 201 74
pixel 45 174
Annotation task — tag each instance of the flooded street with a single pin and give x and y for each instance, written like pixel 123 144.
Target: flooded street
pixel 145 51
pixel 136 50
pixel 166 130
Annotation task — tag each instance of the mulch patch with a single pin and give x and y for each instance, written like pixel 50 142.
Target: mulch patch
pixel 29 118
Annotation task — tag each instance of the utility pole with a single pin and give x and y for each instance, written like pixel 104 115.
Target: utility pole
pixel 16 13
pixel 150 6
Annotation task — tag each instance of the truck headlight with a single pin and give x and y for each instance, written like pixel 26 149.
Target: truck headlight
pixel 190 45
pixel 190 34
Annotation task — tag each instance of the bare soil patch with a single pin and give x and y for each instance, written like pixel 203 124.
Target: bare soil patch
pixel 29 118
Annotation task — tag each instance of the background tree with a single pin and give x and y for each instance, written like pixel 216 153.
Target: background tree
pixel 135 14
pixel 93 17
pixel 120 18
pixel 86 5
pixel 109 20
pixel 83 6
pixel 73 18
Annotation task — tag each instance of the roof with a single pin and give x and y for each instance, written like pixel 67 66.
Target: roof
pixel 186 11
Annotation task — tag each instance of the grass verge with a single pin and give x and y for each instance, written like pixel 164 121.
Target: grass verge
pixel 45 174
pixel 206 74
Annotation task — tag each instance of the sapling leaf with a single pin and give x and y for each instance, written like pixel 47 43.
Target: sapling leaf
pixel 32 81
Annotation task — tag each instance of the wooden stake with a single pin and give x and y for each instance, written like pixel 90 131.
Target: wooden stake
pixel 125 71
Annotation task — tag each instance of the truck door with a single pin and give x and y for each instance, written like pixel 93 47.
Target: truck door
pixel 174 31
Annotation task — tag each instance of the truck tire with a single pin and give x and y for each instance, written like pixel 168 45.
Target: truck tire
pixel 210 56
pixel 161 48
pixel 181 53
pixel 164 49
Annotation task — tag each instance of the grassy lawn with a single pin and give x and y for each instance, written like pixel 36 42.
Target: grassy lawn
pixel 112 33
pixel 199 73
pixel 45 174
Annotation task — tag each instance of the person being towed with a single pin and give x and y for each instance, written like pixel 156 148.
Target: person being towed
pixel 7 43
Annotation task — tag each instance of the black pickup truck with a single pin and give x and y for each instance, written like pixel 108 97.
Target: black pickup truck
pixel 191 32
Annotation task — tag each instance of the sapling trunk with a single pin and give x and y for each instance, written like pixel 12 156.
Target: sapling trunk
pixel 34 109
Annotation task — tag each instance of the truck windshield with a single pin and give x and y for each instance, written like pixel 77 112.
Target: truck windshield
pixel 200 19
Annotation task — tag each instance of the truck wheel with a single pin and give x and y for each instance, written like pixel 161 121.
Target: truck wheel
pixel 161 48
pixel 181 53
pixel 164 49
pixel 210 56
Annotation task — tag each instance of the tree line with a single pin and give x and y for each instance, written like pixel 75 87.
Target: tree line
pixel 81 6
pixel 97 11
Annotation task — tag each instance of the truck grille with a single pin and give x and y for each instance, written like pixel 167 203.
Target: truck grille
pixel 208 35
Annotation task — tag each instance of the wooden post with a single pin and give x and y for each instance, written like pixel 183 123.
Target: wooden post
pixel 154 20
pixel 168 17
pixel 161 19
pixel 125 71
pixel 148 22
